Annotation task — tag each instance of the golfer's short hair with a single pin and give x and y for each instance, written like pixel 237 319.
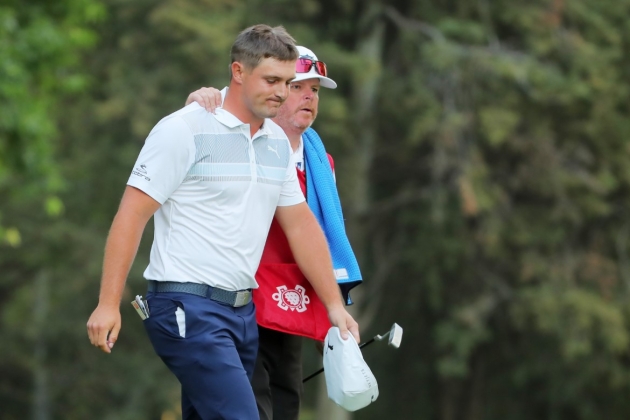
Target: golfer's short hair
pixel 262 41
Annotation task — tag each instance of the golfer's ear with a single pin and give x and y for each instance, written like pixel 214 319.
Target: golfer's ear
pixel 237 72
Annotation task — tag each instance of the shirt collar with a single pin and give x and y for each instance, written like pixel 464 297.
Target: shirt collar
pixel 228 119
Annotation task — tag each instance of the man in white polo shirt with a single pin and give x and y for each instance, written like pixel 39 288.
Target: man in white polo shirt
pixel 277 380
pixel 214 184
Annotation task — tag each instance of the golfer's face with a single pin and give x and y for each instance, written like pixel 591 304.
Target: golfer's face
pixel 300 108
pixel 266 86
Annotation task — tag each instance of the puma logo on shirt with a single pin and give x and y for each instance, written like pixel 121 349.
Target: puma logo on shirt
pixel 271 149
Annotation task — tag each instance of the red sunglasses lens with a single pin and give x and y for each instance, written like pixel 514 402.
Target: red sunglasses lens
pixel 320 67
pixel 303 65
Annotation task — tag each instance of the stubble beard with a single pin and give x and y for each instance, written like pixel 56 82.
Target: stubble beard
pixel 263 109
pixel 266 112
pixel 302 127
pixel 293 121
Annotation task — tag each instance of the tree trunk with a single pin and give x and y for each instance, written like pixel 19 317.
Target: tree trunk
pixel 364 98
pixel 41 401
pixel 357 179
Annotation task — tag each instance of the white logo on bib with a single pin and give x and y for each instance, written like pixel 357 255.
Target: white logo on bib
pixel 295 299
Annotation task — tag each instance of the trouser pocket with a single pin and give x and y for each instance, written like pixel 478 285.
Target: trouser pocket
pixel 168 319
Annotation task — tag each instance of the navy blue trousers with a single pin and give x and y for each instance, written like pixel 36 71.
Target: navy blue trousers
pixel 211 348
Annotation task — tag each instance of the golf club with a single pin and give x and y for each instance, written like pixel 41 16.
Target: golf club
pixel 395 337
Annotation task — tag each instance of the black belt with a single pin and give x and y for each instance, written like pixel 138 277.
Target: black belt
pixel 235 299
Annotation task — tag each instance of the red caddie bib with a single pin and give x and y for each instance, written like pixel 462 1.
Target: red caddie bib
pixel 285 300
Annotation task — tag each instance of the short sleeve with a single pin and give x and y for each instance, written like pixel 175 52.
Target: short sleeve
pixel 291 193
pixel 165 159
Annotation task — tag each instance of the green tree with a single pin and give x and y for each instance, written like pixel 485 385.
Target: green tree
pixel 40 46
pixel 482 159
pixel 40 64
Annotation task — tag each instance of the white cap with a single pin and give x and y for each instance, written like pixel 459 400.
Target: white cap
pixel 312 74
pixel 349 380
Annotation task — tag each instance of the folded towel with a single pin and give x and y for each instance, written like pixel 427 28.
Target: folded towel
pixel 323 199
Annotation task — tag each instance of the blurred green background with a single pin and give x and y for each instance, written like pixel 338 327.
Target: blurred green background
pixel 483 158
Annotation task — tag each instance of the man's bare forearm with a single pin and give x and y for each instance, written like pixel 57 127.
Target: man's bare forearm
pixel 310 249
pixel 121 248
pixel 136 208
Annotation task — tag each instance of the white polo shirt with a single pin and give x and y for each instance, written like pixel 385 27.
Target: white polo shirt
pixel 219 189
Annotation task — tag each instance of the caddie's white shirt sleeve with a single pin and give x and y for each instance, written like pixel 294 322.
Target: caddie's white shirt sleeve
pixel 165 159
pixel 291 193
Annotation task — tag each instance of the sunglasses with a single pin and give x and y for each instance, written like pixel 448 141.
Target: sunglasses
pixel 304 65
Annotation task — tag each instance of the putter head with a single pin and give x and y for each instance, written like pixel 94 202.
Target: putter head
pixel 395 336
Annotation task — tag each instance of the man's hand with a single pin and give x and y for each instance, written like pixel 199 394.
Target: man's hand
pixel 340 318
pixel 207 97
pixel 103 327
pixel 136 208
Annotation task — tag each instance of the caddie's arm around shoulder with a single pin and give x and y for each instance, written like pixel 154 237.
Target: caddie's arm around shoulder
pixel 207 97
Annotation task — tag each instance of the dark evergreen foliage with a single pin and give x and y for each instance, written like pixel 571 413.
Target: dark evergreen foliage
pixel 482 155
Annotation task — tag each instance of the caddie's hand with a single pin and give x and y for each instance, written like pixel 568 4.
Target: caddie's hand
pixel 340 318
pixel 103 327
pixel 207 97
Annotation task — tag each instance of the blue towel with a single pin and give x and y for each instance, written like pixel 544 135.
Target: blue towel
pixel 323 199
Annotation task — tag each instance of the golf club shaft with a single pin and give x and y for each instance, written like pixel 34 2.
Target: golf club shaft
pixel 311 376
pixel 370 341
